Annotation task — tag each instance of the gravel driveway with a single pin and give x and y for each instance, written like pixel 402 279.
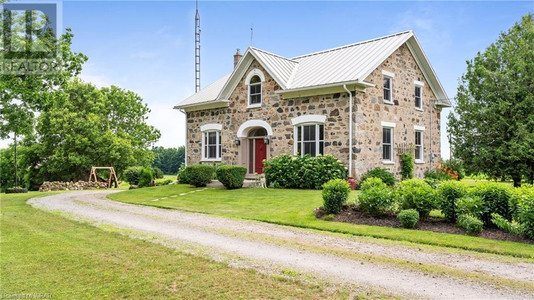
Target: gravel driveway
pixel 269 247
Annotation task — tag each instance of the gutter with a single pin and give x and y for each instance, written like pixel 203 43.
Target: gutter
pixel 350 129
pixel 336 84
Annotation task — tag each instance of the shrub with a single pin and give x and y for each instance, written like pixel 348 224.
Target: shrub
pixel 406 165
pixel 286 171
pixel 471 205
pixel 163 181
pixel 506 225
pixel 376 197
pixel 145 177
pixel 526 214
pixel 417 194
pixel 158 173
pixel 231 177
pixel 472 225
pixel 496 198
pixel 408 218
pixel 449 192
pixel 386 176
pixel 182 176
pixel 436 175
pixel 132 175
pixel 434 183
pixel 199 175
pixel 335 194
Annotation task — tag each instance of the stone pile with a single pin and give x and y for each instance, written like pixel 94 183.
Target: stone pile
pixel 71 186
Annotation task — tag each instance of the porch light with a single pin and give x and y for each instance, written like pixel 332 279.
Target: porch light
pixel 237 141
pixel 266 139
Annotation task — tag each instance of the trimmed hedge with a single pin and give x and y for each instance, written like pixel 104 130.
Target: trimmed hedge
pixel 182 176
pixel 157 172
pixel 450 191
pixel 408 218
pixel 335 194
pixel 376 197
pixel 417 194
pixel 199 175
pixel 386 176
pixel 132 175
pixel 472 225
pixel 231 177
pixel 296 172
pixel 145 177
pixel 496 198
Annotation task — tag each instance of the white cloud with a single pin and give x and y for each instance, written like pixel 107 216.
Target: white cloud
pixel 171 124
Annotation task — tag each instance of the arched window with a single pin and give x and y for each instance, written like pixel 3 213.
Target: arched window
pixel 254 90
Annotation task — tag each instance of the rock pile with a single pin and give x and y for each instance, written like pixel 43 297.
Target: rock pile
pixel 71 186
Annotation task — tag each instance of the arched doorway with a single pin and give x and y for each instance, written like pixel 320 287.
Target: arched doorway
pixel 253 139
pixel 257 150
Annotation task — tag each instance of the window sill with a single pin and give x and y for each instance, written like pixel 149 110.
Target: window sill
pixel 388 162
pixel 254 106
pixel 210 160
pixel 418 109
pixel 419 161
pixel 388 102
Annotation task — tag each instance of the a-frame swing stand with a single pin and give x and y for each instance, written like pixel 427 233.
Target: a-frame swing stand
pixel 112 175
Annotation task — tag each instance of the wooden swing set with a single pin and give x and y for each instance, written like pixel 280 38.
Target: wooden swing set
pixel 112 175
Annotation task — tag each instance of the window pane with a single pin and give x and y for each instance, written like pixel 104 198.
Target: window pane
pixel 255 79
pixel 309 133
pixel 212 151
pixel 386 135
pixel 299 133
pixel 386 83
pixel 299 148
pixel 417 91
pixel 321 148
pixel 212 138
pixel 418 152
pixel 386 152
pixel 418 138
pixel 309 148
pixel 321 132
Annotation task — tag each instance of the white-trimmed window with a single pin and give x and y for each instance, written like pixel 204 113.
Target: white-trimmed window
pixel 254 91
pixel 310 139
pixel 418 146
pixel 387 142
pixel 211 142
pixel 388 86
pixel 254 81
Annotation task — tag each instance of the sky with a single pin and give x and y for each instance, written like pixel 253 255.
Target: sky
pixel 148 46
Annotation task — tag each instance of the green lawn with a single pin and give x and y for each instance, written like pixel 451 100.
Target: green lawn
pixel 295 208
pixel 43 253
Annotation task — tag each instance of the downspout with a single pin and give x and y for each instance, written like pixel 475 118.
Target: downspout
pixel 350 129
pixel 185 146
pixel 431 153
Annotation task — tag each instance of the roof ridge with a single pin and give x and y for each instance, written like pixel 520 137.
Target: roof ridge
pixel 353 44
pixel 273 54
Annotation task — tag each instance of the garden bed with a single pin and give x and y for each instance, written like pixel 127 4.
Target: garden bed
pixel 349 214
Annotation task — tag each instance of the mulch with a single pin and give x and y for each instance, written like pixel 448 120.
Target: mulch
pixel 350 214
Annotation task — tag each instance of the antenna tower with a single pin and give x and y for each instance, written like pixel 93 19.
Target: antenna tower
pixel 197 49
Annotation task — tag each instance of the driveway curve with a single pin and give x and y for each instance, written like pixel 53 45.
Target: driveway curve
pixel 268 246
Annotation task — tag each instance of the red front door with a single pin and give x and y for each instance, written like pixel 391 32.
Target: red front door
pixel 260 154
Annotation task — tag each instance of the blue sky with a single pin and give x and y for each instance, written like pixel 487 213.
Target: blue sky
pixel 148 46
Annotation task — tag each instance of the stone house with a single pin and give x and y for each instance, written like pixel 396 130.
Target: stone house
pixel 364 103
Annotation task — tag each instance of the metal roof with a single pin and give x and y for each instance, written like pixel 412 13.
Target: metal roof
pixel 350 63
pixel 207 94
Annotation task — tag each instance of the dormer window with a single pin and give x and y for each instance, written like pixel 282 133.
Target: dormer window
pixel 254 81
pixel 254 90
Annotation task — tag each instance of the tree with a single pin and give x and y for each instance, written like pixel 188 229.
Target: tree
pixel 86 126
pixel 169 160
pixel 492 128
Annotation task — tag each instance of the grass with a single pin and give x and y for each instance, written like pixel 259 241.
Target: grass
pixel 295 208
pixel 43 253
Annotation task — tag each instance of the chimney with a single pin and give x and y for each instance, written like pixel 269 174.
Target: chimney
pixel 237 58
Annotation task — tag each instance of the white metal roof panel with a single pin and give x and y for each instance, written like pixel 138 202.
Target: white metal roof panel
pixel 279 66
pixel 206 94
pixel 348 63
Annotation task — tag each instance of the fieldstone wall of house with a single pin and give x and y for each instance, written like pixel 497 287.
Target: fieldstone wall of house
pixel 371 111
pixel 369 108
